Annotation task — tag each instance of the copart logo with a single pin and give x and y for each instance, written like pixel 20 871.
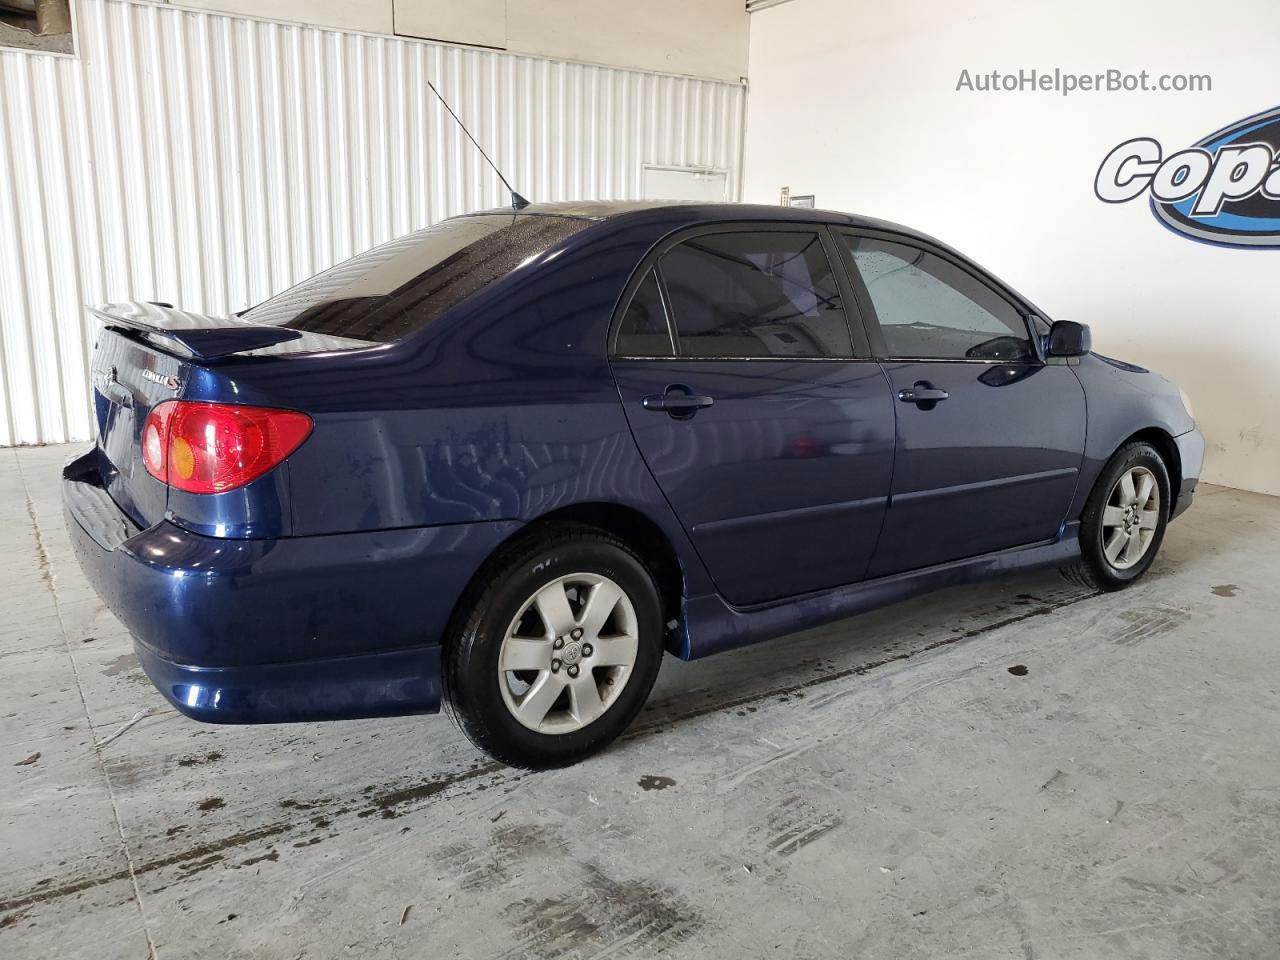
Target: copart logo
pixel 1224 189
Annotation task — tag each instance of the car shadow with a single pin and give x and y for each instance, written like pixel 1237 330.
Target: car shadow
pixel 788 666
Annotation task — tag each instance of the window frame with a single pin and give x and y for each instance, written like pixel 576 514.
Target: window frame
pixel 861 349
pixel 867 308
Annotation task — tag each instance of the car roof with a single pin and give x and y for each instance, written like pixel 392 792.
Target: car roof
pixel 694 211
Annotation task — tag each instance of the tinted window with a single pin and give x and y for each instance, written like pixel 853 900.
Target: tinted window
pixel 929 308
pixel 401 286
pixel 644 331
pixel 766 294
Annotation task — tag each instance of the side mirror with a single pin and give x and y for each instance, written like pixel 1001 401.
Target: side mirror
pixel 1069 339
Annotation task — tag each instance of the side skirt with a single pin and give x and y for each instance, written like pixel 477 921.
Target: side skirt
pixel 710 625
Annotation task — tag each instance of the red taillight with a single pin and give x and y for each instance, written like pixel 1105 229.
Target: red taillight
pixel 214 447
pixel 155 433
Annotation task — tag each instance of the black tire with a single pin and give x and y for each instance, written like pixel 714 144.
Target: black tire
pixel 1093 569
pixel 471 680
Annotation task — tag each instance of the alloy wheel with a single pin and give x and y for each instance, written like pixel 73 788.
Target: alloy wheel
pixel 568 653
pixel 1130 518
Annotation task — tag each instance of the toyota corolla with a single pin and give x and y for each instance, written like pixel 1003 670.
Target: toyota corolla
pixel 505 463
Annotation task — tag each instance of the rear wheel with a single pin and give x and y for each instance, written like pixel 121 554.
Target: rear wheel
pixel 559 652
pixel 1124 521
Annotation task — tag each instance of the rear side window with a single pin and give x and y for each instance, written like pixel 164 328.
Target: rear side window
pixel 747 295
pixel 644 331
pixel 928 308
pixel 401 286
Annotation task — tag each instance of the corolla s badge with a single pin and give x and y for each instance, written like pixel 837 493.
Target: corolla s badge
pixel 1225 189
pixel 170 382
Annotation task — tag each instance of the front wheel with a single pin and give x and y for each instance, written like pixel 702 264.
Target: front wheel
pixel 1124 521
pixel 559 652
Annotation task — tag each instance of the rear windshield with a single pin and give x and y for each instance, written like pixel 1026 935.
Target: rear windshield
pixel 401 286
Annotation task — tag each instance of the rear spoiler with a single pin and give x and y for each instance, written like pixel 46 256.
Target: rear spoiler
pixel 199 336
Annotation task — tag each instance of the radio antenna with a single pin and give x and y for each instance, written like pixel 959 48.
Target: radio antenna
pixel 517 202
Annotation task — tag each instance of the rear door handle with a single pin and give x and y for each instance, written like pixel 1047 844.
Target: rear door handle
pixel 922 392
pixel 678 401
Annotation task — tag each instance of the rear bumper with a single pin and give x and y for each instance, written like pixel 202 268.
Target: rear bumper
pixel 1191 454
pixel 373 685
pixel 260 631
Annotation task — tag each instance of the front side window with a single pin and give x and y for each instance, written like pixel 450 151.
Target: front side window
pixel 928 308
pixel 750 295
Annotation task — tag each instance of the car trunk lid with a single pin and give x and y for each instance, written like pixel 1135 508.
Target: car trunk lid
pixel 147 354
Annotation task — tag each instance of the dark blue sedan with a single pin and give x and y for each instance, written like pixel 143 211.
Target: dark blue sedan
pixel 506 462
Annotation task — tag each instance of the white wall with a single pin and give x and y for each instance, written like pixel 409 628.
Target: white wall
pixel 856 103
pixel 699 38
pixel 213 160
pixel 368 16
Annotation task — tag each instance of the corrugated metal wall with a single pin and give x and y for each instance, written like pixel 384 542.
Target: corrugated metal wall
pixel 211 161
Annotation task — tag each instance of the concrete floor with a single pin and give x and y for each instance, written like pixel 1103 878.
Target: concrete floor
pixel 886 787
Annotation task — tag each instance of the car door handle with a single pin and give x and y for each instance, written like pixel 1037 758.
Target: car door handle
pixel 922 392
pixel 677 401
